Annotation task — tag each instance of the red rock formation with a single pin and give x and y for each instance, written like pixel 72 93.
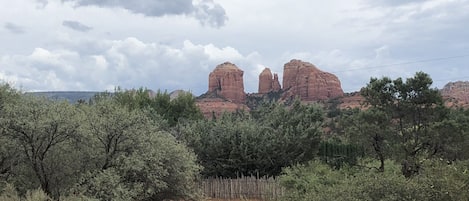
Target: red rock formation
pixel 456 94
pixel 267 83
pixel 352 100
pixel 217 106
pixel 306 81
pixel 227 81
pixel 276 84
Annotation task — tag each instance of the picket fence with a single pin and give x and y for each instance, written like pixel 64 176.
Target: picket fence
pixel 250 187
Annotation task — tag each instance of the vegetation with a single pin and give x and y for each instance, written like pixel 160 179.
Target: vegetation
pixel 260 144
pixel 134 145
pixel 316 181
pixel 104 150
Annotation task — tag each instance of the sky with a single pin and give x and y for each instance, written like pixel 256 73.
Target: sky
pixel 97 45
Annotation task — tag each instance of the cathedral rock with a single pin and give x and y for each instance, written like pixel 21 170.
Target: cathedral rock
pixel 306 81
pixel 267 83
pixel 227 81
pixel 300 79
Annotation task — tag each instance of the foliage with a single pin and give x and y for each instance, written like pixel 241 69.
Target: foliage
pixel 102 150
pixel 9 193
pixel 295 131
pixel 451 142
pixel 372 129
pixel 180 108
pixel 412 108
pixel 262 144
pixel 317 181
pixel 135 159
pixel 44 130
pixel 9 150
pixel 338 154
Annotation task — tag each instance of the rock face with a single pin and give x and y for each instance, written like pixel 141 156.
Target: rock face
pixel 211 107
pixel 267 83
pixel 352 100
pixel 300 79
pixel 276 84
pixel 456 93
pixel 306 81
pixel 227 81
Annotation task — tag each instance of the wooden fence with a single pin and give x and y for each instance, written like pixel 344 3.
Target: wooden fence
pixel 242 188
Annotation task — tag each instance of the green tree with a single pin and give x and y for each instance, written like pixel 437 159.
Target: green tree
pixel 44 131
pixel 371 129
pixel 135 158
pixel 9 151
pixel 272 138
pixel 413 107
pixel 295 131
pixel 160 104
pixel 452 141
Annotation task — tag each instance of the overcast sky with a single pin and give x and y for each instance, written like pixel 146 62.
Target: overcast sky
pixel 174 44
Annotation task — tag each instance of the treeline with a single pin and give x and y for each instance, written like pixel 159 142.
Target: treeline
pixel 130 145
pixel 107 149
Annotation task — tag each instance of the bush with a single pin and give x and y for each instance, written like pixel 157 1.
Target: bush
pixel 316 181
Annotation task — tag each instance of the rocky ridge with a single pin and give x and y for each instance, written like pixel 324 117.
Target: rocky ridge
pixel 300 79
pixel 456 94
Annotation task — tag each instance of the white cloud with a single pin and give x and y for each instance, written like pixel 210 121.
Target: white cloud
pixel 128 63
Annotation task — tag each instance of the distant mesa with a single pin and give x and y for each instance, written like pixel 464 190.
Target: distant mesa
pixel 70 96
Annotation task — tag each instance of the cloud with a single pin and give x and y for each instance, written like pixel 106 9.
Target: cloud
pixel 210 13
pixel 206 11
pixel 129 63
pixel 75 25
pixel 13 28
pixel 41 3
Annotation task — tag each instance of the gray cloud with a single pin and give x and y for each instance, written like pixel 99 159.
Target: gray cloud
pixel 75 25
pixel 129 63
pixel 146 7
pixel 13 28
pixel 207 11
pixel 41 3
pixel 210 13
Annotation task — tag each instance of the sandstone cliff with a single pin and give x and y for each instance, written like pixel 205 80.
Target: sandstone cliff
pixel 267 83
pixel 217 106
pixel 306 81
pixel 300 79
pixel 227 81
pixel 456 94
